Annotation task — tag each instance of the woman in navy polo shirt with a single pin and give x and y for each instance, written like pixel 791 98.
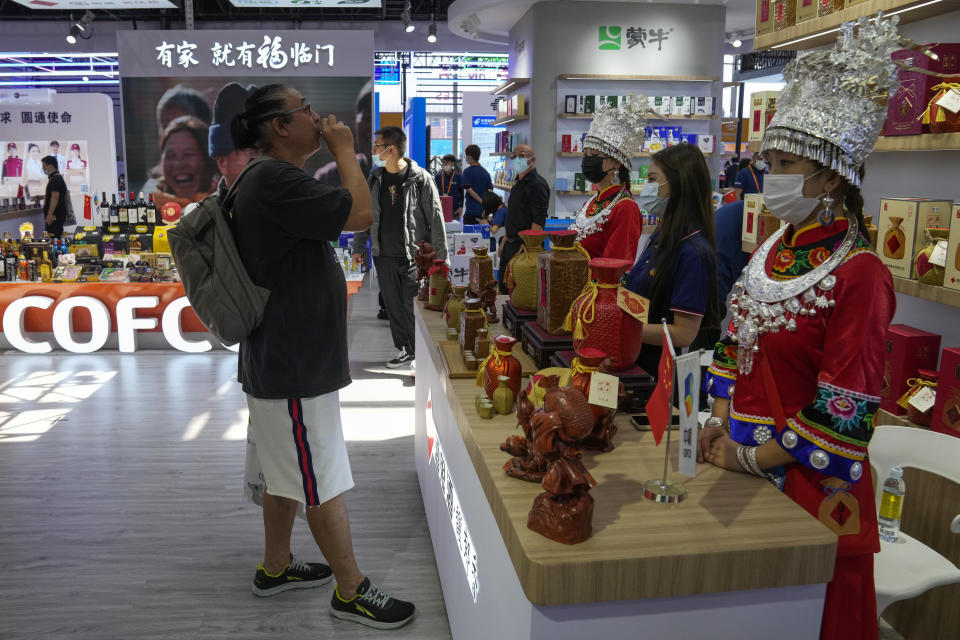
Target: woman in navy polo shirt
pixel 677 271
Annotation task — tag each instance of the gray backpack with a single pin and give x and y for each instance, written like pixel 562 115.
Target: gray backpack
pixel 217 284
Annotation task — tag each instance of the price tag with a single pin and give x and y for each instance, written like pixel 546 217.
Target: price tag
pixel 922 400
pixel 632 304
pixel 603 390
pixel 950 101
pixel 939 254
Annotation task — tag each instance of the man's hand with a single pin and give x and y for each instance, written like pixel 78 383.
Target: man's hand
pixel 337 135
pixel 357 260
pixel 723 453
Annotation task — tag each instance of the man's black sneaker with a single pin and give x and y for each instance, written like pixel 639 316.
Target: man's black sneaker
pixel 372 607
pixel 296 575
pixel 382 315
pixel 402 361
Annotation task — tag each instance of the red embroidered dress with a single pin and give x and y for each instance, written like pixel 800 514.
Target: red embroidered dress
pixel 828 374
pixel 609 225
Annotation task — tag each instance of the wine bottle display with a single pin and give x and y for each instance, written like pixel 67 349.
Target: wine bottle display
pixel 124 220
pixel 114 212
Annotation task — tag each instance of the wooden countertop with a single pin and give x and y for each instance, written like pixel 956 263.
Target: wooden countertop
pixel 733 532
pixel 20 213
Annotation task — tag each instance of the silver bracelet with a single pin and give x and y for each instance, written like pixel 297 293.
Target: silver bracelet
pixel 713 421
pixel 741 458
pixel 752 461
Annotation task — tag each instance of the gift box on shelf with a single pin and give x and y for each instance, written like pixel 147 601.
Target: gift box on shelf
pixel 661 105
pixel 826 7
pixel 806 10
pixel 763 104
pixel 764 23
pixel 463 243
pixel 758 223
pixel 784 14
pixel 902 221
pixel 682 106
pixel 946 411
pixel 908 104
pixel 951 276
pixel 706 106
pixel 706 143
pixel 908 350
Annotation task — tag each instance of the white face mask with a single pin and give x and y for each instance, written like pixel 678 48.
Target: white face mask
pixel 783 196
pixel 651 189
pixel 448 168
pixel 760 165
pixel 378 161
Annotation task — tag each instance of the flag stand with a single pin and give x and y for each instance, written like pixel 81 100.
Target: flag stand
pixel 660 490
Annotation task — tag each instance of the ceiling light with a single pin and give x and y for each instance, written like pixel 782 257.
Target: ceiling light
pixel 432 37
pixel 81 29
pixel 408 25
pixel 737 43
pixel 71 37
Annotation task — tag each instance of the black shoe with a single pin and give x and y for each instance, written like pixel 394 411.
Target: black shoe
pixel 372 607
pixel 296 575
pixel 403 360
pixel 382 315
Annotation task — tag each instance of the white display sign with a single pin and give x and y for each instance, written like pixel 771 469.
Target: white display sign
pixel 468 551
pixel 127 324
pixel 688 380
pixel 26 96
pixel 308 4
pixel 61 5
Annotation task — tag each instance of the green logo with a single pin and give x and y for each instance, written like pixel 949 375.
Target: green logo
pixel 610 38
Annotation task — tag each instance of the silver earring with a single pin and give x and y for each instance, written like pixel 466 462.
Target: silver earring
pixel 615 179
pixel 826 217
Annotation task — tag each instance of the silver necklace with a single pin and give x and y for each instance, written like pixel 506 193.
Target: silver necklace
pixel 761 304
pixel 588 225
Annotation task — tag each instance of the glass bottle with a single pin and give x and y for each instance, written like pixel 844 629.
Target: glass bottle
pixel 891 505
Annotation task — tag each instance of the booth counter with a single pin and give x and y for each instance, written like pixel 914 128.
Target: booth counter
pixel 736 559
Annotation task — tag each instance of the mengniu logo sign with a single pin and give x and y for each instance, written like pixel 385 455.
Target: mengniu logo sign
pixel 611 38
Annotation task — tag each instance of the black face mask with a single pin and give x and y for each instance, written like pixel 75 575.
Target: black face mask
pixel 592 168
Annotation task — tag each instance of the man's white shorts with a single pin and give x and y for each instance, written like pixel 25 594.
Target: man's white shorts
pixel 301 448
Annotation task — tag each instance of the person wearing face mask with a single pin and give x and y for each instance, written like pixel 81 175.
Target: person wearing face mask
pixel 526 207
pixel 449 183
pixel 406 209
pixel 750 178
pixel 609 225
pixel 55 198
pixel 476 183
pixel 797 377
pixel 677 267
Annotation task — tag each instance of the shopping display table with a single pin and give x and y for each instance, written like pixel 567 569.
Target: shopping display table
pixel 736 559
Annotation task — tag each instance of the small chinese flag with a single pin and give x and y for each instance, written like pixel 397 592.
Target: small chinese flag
pixel 87 210
pixel 659 409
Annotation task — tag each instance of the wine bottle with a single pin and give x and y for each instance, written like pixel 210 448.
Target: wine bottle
pixel 114 212
pixel 104 212
pixel 141 210
pixel 124 220
pixel 151 214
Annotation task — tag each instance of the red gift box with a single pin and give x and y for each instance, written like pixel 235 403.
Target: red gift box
pixel 909 102
pixel 446 205
pixel 565 143
pixel 908 350
pixel 946 412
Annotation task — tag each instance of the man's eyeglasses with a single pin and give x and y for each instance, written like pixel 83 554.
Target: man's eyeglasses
pixel 303 107
pixel 380 146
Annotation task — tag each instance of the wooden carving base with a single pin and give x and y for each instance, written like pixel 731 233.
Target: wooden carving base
pixel 567 519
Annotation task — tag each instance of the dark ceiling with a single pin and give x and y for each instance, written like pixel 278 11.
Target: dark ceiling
pixel 219 10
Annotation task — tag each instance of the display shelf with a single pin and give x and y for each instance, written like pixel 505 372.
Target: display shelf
pixel 645 154
pixel 510 86
pixel 575 193
pixel 507 120
pixel 589 116
pixel 503 186
pixel 941 295
pixel 822 31
pixel 927 142
pixel 593 76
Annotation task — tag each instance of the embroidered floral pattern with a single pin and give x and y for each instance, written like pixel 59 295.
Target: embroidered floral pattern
pixel 817 256
pixel 790 262
pixel 784 260
pixel 840 416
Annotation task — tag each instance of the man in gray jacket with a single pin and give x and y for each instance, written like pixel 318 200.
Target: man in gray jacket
pixel 406 209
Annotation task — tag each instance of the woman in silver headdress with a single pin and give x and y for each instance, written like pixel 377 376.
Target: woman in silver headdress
pixel 608 225
pixel 797 378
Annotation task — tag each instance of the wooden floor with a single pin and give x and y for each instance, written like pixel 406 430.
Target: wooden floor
pixel 120 499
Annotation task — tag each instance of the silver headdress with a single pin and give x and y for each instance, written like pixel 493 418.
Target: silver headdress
pixel 618 132
pixel 835 101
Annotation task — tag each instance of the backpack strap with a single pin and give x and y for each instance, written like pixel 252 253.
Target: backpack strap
pixel 226 202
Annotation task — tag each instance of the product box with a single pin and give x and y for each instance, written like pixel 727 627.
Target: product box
pixel 908 103
pixel 579 182
pixel 161 244
pixel 908 350
pixel 613 101
pixel 682 106
pixel 902 221
pixel 86 243
pixel 581 104
pixel 946 412
pixel 140 242
pixel 661 105
pixel 706 106
pixel 482 229
pixel 763 104
pixel 589 104
pixel 562 184
pixel 826 7
pixel 764 17
pixel 570 104
pixel 566 143
pixel 460 269
pixel 806 10
pixel 463 243
pixel 706 143
pixel 669 136
pixel 784 14
pixel 758 224
pixel 951 277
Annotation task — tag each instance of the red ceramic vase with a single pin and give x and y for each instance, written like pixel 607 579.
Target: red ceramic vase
pixel 599 323
pixel 501 363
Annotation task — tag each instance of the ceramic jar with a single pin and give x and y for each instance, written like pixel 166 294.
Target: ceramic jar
pixel 523 274
pixel 481 269
pixel 500 362
pixel 481 345
pixel 503 396
pixel 599 323
pixel 471 319
pixel 438 284
pixel 563 273
pixel 454 307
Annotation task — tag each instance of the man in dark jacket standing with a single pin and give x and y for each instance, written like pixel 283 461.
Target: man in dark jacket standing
pixel 526 207
pixel 406 209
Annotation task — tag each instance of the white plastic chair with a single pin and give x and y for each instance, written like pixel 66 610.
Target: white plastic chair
pixel 906 568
